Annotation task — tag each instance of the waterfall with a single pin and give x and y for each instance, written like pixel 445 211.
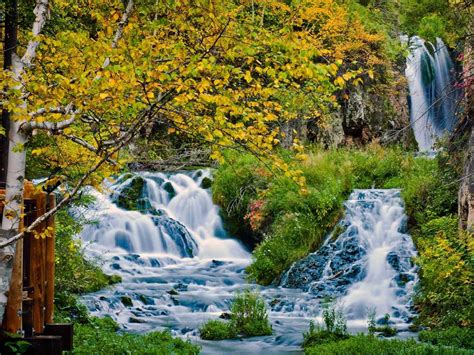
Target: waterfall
pixel 174 218
pixel 163 235
pixel 368 265
pixel 430 75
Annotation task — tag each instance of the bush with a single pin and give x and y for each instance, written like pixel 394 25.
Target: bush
pixel 248 318
pixel 369 344
pixel 249 314
pixel 335 328
pixel 453 336
pixel 217 330
pixel 446 256
pixel 100 335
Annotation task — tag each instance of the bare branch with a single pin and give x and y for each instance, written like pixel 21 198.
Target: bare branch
pixel 86 145
pixel 118 34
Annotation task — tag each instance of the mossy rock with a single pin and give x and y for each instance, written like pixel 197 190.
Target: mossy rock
pixel 130 198
pixel 206 183
pixel 168 187
pixel 126 301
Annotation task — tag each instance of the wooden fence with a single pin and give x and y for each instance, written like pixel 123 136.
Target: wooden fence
pixel 30 306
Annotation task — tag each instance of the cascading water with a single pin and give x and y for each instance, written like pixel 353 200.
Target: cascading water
pixel 179 268
pixel 368 266
pixel 430 75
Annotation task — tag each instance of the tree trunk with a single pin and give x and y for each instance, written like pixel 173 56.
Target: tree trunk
pixel 9 48
pixel 17 160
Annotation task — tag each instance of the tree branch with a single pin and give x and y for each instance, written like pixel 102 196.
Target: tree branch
pixel 118 34
pixel 142 120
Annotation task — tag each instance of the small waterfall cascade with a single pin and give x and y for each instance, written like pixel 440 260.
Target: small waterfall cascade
pixel 368 265
pixel 431 77
pixel 163 217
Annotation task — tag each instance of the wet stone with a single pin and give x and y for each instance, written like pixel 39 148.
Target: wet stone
pixel 136 320
pixel 394 260
pixel 146 300
pixel 172 292
pixel 181 287
pixel 126 301
pixel 225 315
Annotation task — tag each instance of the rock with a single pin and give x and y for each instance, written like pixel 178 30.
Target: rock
pixel 215 263
pixel 146 300
pixel 402 279
pixel 394 260
pixel 115 266
pixel 135 320
pixel 466 189
pixel 225 315
pixel 126 301
pixel 206 183
pixel 168 187
pixel 185 242
pixel 130 194
pixel 180 287
pixel 340 257
pixel 172 292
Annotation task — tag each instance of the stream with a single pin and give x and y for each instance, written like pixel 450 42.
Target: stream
pixel 180 267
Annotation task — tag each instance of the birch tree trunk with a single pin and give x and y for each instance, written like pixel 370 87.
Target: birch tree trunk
pixel 17 160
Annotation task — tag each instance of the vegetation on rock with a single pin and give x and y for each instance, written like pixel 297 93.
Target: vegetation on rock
pixel 248 318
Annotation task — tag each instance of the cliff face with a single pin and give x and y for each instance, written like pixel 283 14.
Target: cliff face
pixel 374 112
pixel 466 189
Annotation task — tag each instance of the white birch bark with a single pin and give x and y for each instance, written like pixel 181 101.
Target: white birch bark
pixel 17 161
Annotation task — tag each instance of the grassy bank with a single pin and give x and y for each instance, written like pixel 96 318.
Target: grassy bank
pixel 369 344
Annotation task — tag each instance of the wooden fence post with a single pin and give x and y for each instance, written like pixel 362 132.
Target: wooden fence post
pixel 37 263
pixel 13 314
pixel 50 240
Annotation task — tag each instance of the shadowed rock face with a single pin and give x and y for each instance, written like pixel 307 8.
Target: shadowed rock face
pixel 337 263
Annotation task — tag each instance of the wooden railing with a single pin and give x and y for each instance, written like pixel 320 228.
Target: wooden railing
pixel 30 304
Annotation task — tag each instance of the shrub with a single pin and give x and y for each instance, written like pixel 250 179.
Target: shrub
pixel 217 330
pixel 248 318
pixel 335 328
pixel 249 314
pixel 386 330
pixel 446 265
pixel 369 344
pixel 453 336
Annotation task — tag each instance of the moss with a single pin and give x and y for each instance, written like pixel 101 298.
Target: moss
pixel 206 183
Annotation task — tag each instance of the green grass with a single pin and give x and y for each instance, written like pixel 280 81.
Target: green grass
pixel 453 336
pixel 217 330
pixel 368 344
pixel 100 336
pixel 248 318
